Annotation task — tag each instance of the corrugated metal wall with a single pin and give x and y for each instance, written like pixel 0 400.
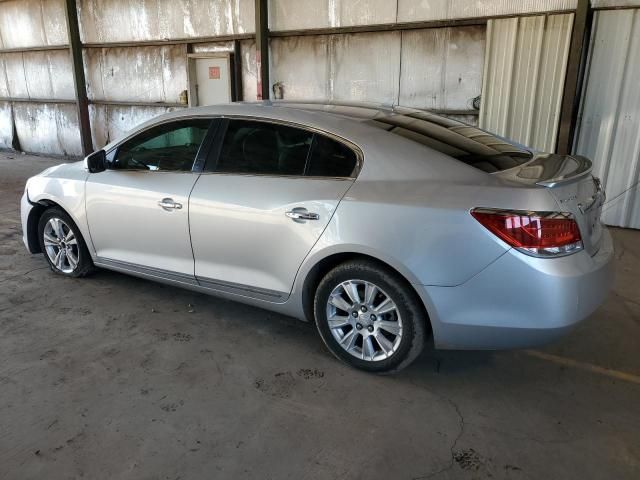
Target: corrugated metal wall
pixel 609 129
pixel 437 68
pixel 140 20
pixel 524 75
pixel 432 68
pixel 307 14
pixel 39 127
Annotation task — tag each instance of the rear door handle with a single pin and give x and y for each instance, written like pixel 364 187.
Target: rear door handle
pixel 301 214
pixel 168 204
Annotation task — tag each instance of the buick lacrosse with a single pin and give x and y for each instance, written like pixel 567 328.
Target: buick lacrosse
pixel 384 226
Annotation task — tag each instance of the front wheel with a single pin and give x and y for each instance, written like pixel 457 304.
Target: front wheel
pixel 369 317
pixel 63 245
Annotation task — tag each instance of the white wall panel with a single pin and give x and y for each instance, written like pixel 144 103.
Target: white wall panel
pixel 6 125
pixel 302 65
pixel 442 67
pixel 524 73
pixel 48 128
pixel 32 23
pixel 338 67
pixel 249 71
pixel 145 74
pixel 301 14
pixel 609 128
pixel 133 20
pixel 365 12
pixel 16 83
pixel 307 14
pixel 365 67
pixel 36 75
pixel 110 122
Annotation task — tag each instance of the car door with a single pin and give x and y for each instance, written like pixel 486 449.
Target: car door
pixel 264 199
pixel 137 209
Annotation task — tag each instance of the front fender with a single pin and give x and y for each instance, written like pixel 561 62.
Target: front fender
pixel 68 194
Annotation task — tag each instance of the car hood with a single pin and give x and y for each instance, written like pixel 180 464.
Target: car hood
pixel 65 170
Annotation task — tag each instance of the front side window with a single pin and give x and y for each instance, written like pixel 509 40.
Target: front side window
pixel 167 147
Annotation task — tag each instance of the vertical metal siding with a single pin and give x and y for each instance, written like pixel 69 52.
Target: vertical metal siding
pixel 609 128
pixel 524 72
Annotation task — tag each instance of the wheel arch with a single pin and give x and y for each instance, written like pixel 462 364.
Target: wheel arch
pixel 39 207
pixel 322 266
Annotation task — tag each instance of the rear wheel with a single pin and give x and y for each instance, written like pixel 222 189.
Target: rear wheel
pixel 369 317
pixel 62 244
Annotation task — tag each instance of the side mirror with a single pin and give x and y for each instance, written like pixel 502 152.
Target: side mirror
pixel 96 162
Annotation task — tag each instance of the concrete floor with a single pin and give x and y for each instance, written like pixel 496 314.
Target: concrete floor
pixel 116 377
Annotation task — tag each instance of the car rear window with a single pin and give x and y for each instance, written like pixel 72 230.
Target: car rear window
pixel 466 143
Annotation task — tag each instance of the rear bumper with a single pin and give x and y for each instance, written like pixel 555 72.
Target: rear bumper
pixel 520 301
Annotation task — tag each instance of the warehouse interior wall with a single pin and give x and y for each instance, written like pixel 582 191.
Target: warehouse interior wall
pixel 135 58
pixel 500 64
pixel 609 121
pixel 524 78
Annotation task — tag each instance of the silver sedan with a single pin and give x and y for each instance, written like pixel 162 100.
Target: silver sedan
pixel 384 226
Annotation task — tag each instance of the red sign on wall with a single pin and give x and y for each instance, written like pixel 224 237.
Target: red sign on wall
pixel 214 73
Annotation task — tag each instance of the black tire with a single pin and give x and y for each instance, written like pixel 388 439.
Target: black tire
pixel 84 263
pixel 409 308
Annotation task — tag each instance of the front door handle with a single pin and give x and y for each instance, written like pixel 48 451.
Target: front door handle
pixel 168 204
pixel 301 214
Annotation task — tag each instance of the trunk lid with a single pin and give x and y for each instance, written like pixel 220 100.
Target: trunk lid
pixel 569 180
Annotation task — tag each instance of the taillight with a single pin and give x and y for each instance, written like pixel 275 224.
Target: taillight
pixel 542 234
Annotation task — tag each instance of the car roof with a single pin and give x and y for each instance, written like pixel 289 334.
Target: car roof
pixel 365 125
pixel 353 121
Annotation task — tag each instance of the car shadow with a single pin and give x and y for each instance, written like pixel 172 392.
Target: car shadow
pixel 287 329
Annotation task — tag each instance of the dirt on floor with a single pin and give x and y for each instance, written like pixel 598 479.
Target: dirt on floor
pixel 116 377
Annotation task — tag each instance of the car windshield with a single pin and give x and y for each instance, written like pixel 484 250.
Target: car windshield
pixel 463 142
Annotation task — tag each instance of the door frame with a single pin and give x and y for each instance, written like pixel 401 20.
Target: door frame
pixel 192 76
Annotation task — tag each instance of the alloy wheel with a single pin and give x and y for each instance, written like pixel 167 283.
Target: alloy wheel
pixel 61 245
pixel 364 320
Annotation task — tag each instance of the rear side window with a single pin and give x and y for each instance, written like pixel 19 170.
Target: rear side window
pixel 330 158
pixel 168 147
pixel 475 147
pixel 264 148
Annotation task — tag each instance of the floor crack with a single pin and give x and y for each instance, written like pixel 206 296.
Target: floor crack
pixel 22 274
pixel 453 446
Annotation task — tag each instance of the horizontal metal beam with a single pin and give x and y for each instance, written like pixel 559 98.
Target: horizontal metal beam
pixel 172 41
pixel 138 104
pixel 36 100
pixel 94 102
pixel 43 48
pixel 620 7
pixel 383 27
pixel 452 112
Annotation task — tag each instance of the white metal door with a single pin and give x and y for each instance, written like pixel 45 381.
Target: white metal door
pixel 128 224
pixel 244 241
pixel 213 80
